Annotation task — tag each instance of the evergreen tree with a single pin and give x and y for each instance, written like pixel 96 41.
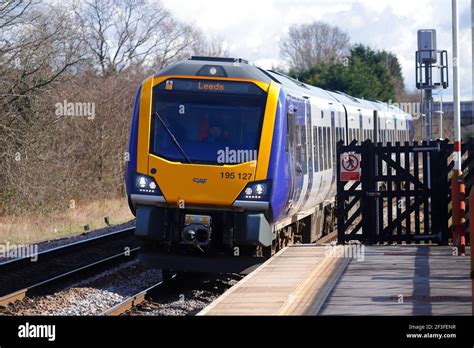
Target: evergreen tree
pixel 368 74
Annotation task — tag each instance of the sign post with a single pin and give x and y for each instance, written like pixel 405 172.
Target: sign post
pixel 350 167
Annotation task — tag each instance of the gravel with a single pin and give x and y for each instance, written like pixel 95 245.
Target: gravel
pixel 188 299
pixel 183 296
pixel 91 296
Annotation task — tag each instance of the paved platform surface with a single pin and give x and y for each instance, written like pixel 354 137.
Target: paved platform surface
pixel 403 280
pixel 295 281
pixel 353 280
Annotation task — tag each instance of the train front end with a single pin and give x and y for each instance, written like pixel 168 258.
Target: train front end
pixel 197 179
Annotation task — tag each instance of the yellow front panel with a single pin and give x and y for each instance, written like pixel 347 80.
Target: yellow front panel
pixel 267 132
pixel 201 184
pixel 144 126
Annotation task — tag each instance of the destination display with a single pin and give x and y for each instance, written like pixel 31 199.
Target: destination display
pixel 211 86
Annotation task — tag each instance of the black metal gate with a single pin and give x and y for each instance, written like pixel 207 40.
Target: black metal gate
pixel 403 194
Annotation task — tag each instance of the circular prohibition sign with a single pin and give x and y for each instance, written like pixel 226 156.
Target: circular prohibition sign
pixel 350 163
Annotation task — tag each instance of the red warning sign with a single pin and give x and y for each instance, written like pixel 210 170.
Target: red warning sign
pixel 350 167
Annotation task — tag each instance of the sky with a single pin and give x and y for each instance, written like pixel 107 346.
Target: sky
pixel 252 29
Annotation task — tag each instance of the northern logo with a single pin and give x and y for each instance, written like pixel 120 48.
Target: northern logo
pixel 200 181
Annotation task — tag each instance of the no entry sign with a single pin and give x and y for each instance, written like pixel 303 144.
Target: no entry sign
pixel 350 167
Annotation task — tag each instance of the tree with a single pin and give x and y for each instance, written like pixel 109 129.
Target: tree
pixel 384 62
pixel 214 46
pixel 37 45
pixel 124 33
pixel 38 49
pixel 363 76
pixel 308 45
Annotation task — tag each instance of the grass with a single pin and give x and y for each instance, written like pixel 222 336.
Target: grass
pixel 37 228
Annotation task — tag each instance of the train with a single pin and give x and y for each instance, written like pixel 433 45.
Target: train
pixel 229 163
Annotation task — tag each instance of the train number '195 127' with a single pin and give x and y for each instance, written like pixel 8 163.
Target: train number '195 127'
pixel 236 176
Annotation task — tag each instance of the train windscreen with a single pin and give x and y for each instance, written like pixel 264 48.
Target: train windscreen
pixel 207 122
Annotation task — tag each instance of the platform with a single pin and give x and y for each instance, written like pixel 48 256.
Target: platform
pixel 379 280
pixel 403 280
pixel 292 282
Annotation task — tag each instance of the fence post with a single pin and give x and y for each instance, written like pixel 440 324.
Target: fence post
pixel 368 190
pixel 340 196
pixel 468 180
pixel 458 196
pixel 469 188
pixel 436 170
pixel 443 191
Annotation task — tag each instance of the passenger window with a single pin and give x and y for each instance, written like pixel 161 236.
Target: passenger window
pixel 330 145
pixel 298 145
pixel 325 149
pixel 289 128
pixel 333 147
pixel 304 162
pixel 315 148
pixel 320 145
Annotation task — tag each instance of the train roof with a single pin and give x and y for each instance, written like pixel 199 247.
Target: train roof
pixel 388 107
pixel 240 68
pixel 345 98
pixel 215 67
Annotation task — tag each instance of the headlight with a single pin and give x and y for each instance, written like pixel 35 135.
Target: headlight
pixel 142 182
pixel 146 184
pixel 259 191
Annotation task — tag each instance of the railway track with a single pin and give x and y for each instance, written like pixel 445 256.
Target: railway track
pixel 133 301
pixel 20 276
pixel 183 294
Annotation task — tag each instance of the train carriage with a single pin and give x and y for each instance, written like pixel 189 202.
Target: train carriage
pixel 230 162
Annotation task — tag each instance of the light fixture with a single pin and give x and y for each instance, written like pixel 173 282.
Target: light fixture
pixel 260 189
pixel 142 182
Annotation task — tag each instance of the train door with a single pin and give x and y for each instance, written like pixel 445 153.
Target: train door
pixel 301 148
pixel 309 198
pixel 333 152
pixel 291 149
pixel 361 127
pixel 375 125
pixel 346 123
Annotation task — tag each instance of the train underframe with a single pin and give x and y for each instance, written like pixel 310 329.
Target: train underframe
pixel 193 240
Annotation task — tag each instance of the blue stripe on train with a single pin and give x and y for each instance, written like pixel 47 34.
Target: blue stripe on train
pixel 278 169
pixel 131 166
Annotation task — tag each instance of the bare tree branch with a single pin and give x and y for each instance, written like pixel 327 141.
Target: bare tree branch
pixel 307 45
